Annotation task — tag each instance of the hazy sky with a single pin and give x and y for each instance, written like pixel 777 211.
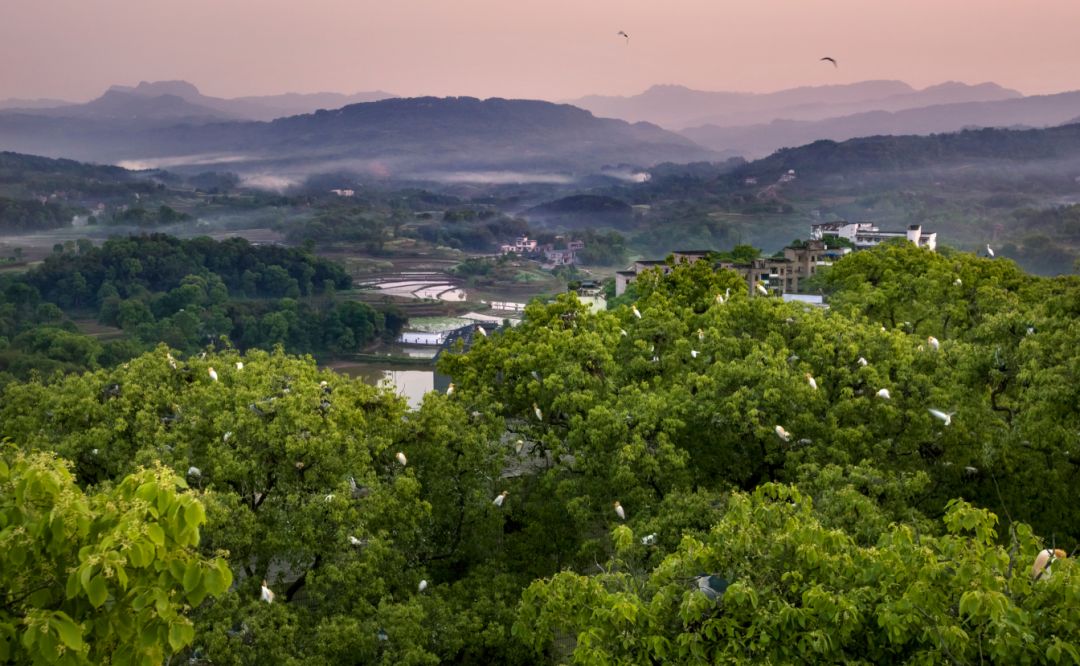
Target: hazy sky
pixel 553 49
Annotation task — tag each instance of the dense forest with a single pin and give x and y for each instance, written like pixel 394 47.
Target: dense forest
pixel 700 476
pixel 187 293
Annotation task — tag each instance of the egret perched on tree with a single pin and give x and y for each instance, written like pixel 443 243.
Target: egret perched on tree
pixel 884 394
pixel 700 334
pixel 619 511
pixel 401 458
pixel 958 282
pixel 694 353
pixel 227 436
pixel 636 312
pixel 539 414
pixel 172 361
pixel 782 434
pixel 863 362
pixel 622 332
pixel 719 299
pixel 266 594
pixel 212 373
pixel 712 586
pixel 422 586
pixel 239 365
pixel 500 498
pixel 481 330
pixel 194 472
pixel 353 541
pixel 989 251
pixel 945 418
pixel 94 452
pixel 518 446
pixel 1045 558
pixel 810 380
pixel 761 289
pixel 450 389
pixel 649 539
pixel 933 342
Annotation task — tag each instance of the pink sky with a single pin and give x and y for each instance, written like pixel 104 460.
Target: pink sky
pixel 552 49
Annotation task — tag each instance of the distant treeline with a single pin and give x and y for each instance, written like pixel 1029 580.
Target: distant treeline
pixel 188 293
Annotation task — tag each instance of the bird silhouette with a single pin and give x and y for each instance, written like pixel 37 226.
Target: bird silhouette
pixel 623 34
pixel 832 60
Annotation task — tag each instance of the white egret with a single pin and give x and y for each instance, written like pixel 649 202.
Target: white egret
pixel 884 394
pixel 945 418
pixel 329 498
pixel 971 471
pixel 450 389
pixel 172 361
pixel 500 498
pixel 266 594
pixel 518 446
pixel 239 365
pixel 400 457
pixel 761 289
pixel 622 332
pixel 212 373
pixel 636 312
pixel 619 511
pixel 422 586
pixel 1041 567
pixel 539 414
pixel 863 362
pixel 694 353
pixel 933 342
pixel 353 541
pixel 989 251
pixel 95 452
pixel 482 331
pixel 782 434
pixel 957 282
pixel 649 539
pixel 700 334
pixel 719 299
pixel 194 471
pixel 227 436
pixel 727 294
pixel 810 380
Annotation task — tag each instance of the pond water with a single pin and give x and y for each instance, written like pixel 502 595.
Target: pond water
pixel 411 383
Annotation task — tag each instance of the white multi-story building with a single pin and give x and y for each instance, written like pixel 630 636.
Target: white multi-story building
pixel 867 234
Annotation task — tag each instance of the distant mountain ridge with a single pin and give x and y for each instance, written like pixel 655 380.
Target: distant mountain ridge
pixel 400 136
pixel 677 107
pixel 175 99
pixel 762 139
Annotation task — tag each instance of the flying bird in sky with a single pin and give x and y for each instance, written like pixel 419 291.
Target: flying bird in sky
pixel 623 34
pixel 832 60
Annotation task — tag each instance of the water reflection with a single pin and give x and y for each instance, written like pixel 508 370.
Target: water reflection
pixel 410 383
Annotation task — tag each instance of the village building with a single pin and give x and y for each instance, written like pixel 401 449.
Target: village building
pixel 867 234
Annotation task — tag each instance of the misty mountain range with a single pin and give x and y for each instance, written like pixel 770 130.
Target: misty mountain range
pixel 180 99
pixel 678 107
pixel 171 124
pixel 408 138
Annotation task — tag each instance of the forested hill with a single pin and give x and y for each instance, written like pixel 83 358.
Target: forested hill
pixel 901 153
pixel 188 293
pixel 407 135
